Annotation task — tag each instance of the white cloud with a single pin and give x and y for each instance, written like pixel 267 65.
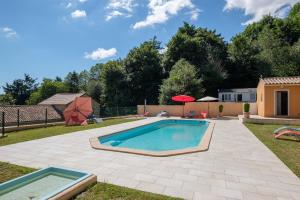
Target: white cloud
pixel 195 13
pixel 9 32
pixel 119 8
pixel 78 14
pixel 121 4
pixel 82 1
pixel 69 5
pixel 101 53
pixel 161 10
pixel 113 14
pixel 258 8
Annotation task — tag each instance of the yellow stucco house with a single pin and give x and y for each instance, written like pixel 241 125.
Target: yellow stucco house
pixel 279 97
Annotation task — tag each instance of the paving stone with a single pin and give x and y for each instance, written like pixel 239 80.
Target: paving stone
pixel 150 187
pixel 201 196
pixel 255 196
pixel 227 192
pixel 177 192
pixel 169 182
pixel 145 177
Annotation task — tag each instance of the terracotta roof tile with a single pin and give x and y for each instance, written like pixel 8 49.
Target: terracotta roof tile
pixel 282 80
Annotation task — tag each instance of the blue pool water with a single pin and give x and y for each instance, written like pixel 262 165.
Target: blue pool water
pixel 42 184
pixel 159 136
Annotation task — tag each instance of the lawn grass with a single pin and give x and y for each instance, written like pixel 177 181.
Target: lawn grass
pixel 287 149
pixel 38 133
pixel 105 191
pixel 9 171
pixel 99 191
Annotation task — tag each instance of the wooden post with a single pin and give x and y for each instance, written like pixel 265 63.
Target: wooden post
pixel 18 118
pixel 3 124
pixel 99 111
pixel 46 116
pixel 145 103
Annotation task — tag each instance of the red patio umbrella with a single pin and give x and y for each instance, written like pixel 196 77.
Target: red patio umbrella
pixel 184 99
pixel 78 111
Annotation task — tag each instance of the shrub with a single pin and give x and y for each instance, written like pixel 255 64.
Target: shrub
pixel 221 107
pixel 246 107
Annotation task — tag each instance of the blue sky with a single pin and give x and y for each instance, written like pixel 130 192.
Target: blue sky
pixel 50 38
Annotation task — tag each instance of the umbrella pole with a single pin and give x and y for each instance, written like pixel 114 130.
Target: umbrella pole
pixel 183 110
pixel 208 109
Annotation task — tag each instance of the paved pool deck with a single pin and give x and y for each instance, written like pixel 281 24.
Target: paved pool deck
pixel 236 166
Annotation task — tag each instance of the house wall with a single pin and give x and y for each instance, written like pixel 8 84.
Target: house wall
pixel 230 108
pixel 293 95
pixel 260 100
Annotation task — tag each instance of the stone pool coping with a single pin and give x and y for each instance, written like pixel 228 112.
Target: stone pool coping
pixel 75 189
pixel 202 146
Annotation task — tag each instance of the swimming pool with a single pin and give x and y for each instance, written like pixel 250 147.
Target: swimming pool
pixel 161 138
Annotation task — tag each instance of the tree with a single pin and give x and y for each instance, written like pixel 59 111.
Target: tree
pixel 95 71
pixel 21 89
pixel 58 79
pixel 72 82
pixel 182 80
pixel 113 81
pixel 6 99
pixel 34 98
pixel 47 88
pixel 203 48
pixel 213 76
pixel 265 48
pixel 245 68
pixel 144 72
pixel 94 90
pixel 84 78
pixel 276 53
pixel 292 25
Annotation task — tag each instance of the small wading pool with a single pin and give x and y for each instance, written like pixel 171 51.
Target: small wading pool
pixel 161 138
pixel 49 183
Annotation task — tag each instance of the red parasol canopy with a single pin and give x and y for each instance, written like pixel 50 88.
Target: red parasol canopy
pixel 183 98
pixel 78 111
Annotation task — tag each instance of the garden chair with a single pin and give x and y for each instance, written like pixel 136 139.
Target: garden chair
pixel 191 114
pixel 203 115
pixel 288 131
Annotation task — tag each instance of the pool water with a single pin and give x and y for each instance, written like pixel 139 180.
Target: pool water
pixel 160 136
pixel 42 184
pixel 39 188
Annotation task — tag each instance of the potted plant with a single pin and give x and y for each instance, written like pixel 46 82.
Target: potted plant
pixel 246 110
pixel 221 107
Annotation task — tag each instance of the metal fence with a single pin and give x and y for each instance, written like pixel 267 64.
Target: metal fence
pixel 28 115
pixel 25 115
pixel 117 111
